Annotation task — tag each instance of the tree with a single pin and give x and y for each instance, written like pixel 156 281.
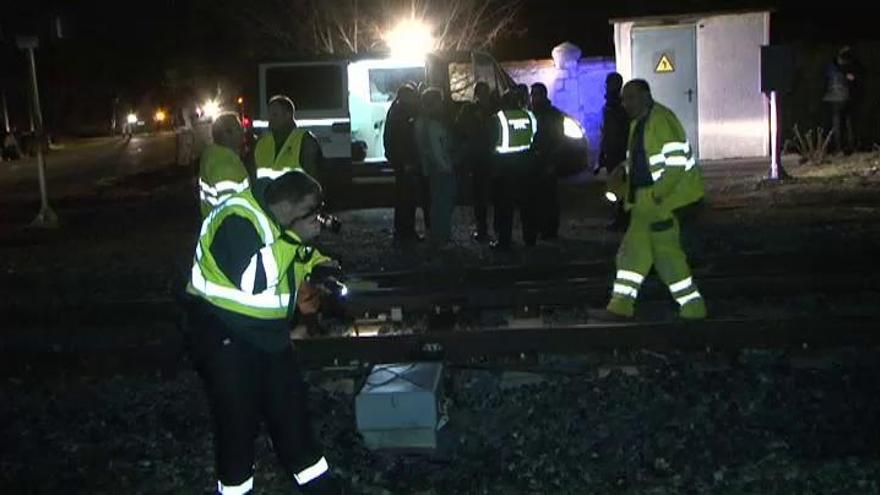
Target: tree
pixel 284 27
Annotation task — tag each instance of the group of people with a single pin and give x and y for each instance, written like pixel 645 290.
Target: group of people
pixel 253 267
pixel 505 144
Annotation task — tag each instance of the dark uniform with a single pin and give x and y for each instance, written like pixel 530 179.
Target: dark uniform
pixel 513 169
pixel 547 142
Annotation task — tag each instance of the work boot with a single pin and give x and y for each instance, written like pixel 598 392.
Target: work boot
pixel 694 310
pixel 622 306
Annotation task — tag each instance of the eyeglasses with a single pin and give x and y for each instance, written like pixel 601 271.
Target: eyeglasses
pixel 314 212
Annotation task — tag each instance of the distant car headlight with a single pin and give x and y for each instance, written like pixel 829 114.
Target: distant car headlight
pixel 571 128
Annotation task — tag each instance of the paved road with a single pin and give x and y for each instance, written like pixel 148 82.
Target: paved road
pixel 84 164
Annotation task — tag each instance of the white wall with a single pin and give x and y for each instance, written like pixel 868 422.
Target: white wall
pixel 734 118
pixel 623 49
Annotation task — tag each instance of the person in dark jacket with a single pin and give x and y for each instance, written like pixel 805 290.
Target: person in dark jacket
pixel 615 133
pixel 475 122
pixel 545 146
pixel 843 88
pixel 402 154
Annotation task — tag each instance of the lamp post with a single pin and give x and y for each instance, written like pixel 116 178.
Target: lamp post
pixel 46 217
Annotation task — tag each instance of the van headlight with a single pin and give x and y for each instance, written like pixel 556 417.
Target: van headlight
pixel 571 128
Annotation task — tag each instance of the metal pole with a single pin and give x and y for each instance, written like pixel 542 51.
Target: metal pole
pixel 774 137
pixel 46 217
pixel 5 111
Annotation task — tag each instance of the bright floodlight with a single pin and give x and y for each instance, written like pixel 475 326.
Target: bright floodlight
pixel 410 39
pixel 211 109
pixel 131 118
pixel 160 116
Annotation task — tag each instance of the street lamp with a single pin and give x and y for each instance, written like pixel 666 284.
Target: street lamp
pixel 46 217
pixel 132 118
pixel 159 116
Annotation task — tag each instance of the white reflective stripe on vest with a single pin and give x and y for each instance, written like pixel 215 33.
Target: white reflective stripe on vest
pixel 675 147
pixel 630 276
pixel 312 472
pixel 204 186
pixel 625 290
pixel 657 159
pixel 270 266
pixel 263 300
pixel 249 276
pixel 681 161
pixel 261 217
pixel 655 176
pixel 241 489
pixel 680 286
pixel 505 133
pixel 228 185
pixel 271 173
pixel 688 298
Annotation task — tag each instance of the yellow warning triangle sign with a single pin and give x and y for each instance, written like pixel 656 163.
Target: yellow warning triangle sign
pixel 664 65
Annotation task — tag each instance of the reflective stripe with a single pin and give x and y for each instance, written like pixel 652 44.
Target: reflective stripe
pixel 270 266
pixel 680 161
pixel 261 217
pixel 198 250
pixel 657 159
pixel 263 300
pixel 311 472
pixel 680 286
pixel 228 185
pixel 241 489
pixel 204 186
pixel 630 276
pixel 676 146
pixel 519 124
pixel 512 149
pixel 688 298
pixel 505 133
pixel 625 290
pixel 249 276
pixel 656 175
pixel 535 125
pixel 271 173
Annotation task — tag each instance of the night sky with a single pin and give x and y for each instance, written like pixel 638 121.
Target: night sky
pixel 134 52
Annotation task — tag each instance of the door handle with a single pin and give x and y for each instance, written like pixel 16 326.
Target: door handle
pixel 690 94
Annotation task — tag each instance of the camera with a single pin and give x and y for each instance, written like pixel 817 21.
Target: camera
pixel 329 222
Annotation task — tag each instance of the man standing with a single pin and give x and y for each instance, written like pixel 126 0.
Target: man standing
pixel 476 124
pixel 433 140
pixel 513 164
pixel 400 149
pixel 615 129
pixel 843 81
pixel 285 147
pixel 661 176
pixel 545 147
pixel 221 172
pixel 251 258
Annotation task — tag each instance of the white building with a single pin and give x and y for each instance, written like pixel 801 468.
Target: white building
pixel 707 69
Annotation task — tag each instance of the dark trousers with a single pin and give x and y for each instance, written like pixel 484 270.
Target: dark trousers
pixel 244 385
pixel 482 183
pixel 511 193
pixel 411 191
pixel 547 206
pixel 842 126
